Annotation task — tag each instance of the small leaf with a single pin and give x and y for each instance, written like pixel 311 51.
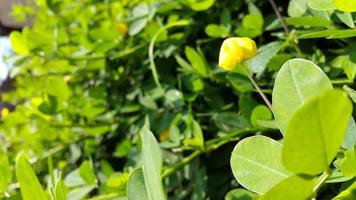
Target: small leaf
pixel 346 17
pixel 308 21
pixel 319 126
pixel 196 60
pixel 297 8
pixel 239 194
pixel 200 5
pixel 321 4
pixel 86 171
pixel 296 81
pixel 350 137
pixel 152 165
pixel 214 30
pixel 260 112
pixel 295 188
pixel 258 63
pixel 31 188
pixel 19 43
pixel 5 172
pixel 348 163
pixel 136 188
pixel 256 163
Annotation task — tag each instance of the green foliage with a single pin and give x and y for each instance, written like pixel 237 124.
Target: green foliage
pixel 251 165
pixel 325 119
pixel 89 77
pixel 295 83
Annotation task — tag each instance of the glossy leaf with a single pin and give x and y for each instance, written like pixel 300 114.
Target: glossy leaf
pixel 295 83
pixel 258 169
pixel 319 126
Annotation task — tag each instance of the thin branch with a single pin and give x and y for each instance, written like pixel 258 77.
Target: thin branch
pixel 281 19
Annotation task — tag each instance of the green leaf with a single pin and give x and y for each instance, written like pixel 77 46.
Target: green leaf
pixel 230 122
pixel 351 92
pixel 345 5
pixel 329 34
pixel 321 4
pixel 80 192
pixel 152 165
pixel 200 5
pixel 252 26
pixel 258 169
pixel 136 188
pixel 19 43
pixel 258 63
pixel 60 190
pixel 319 126
pixel 197 61
pixel 86 171
pixel 308 21
pixel 239 194
pixel 296 81
pixel 295 188
pixel 348 163
pixel 347 64
pixel 348 194
pixel 297 8
pixel 5 172
pixel 56 86
pixel 260 112
pixel 214 30
pixel 239 82
pixel 350 137
pixel 346 18
pixel 31 188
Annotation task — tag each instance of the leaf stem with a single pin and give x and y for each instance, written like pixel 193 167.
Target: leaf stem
pixel 321 181
pixel 181 164
pixel 258 89
pixel 151 49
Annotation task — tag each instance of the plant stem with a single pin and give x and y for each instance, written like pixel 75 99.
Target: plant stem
pixel 184 161
pixel 321 181
pixel 284 24
pixel 258 89
pixel 265 99
pixel 211 145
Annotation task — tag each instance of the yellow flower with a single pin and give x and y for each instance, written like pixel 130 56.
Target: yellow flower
pixel 235 50
pixel 4 112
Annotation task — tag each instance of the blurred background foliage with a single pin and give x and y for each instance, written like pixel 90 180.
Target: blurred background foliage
pixel 89 74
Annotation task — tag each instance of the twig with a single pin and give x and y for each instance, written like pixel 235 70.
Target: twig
pixel 284 24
